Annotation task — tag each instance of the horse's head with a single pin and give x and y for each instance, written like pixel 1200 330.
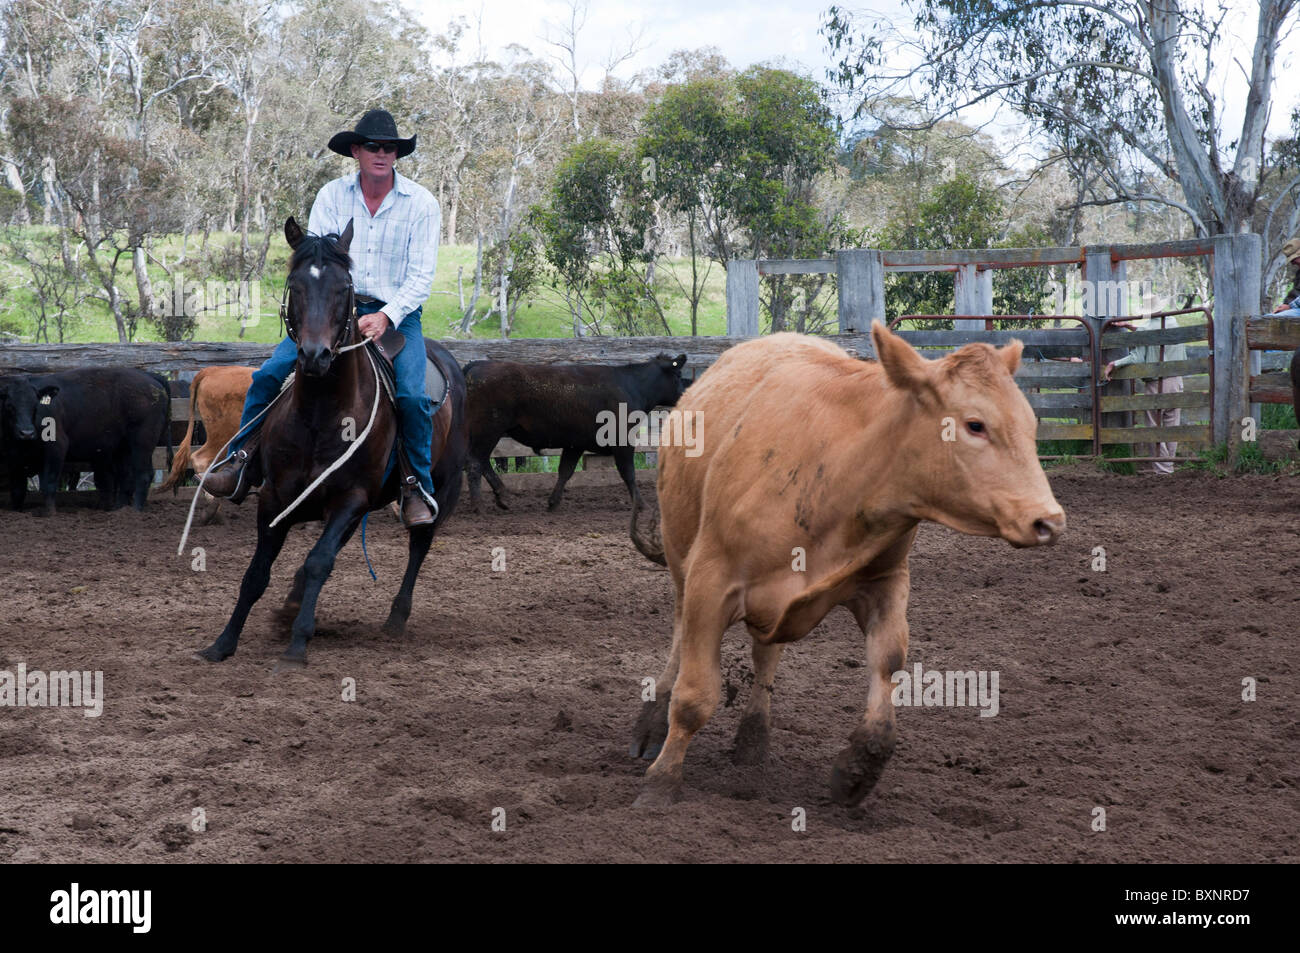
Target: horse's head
pixel 320 305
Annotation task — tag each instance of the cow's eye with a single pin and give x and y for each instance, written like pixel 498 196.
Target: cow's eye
pixel 976 427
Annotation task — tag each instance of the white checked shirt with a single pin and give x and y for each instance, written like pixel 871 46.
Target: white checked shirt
pixel 395 251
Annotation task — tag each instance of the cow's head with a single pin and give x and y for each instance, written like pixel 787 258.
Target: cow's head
pixel 23 402
pixel 968 441
pixel 666 385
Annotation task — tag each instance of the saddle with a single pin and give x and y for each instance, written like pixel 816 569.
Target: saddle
pixel 388 346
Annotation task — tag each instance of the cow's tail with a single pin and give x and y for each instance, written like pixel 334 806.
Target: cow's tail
pixel 647 538
pixel 181 460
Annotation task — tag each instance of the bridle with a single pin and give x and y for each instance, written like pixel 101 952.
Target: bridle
pixel 344 333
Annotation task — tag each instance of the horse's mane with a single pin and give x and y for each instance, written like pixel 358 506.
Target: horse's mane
pixel 318 250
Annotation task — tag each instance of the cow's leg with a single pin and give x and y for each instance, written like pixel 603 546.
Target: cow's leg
pixel 625 460
pixel 568 463
pixel 881 611
pixel 104 486
pixel 698 686
pixel 421 537
pixel 51 470
pixel 474 476
pixel 756 724
pixel 339 527
pixel 141 473
pixel 652 725
pixel 256 576
pixel 494 481
pixel 17 486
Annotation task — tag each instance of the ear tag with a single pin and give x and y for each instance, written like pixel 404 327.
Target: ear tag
pixel 45 399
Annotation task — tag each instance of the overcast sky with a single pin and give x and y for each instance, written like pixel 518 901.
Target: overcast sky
pixel 752 32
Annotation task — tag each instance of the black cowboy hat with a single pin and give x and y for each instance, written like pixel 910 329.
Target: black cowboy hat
pixel 375 126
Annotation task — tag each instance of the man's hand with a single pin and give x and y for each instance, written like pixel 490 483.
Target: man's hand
pixel 1105 374
pixel 373 325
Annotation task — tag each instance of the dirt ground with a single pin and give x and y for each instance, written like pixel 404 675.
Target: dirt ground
pixel 519 690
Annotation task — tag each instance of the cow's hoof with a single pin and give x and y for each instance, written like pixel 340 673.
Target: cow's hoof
pixel 859 766
pixel 751 740
pixel 212 654
pixel 651 730
pixel 657 797
pixel 552 505
pixel 502 504
pixel 393 627
pixel 290 663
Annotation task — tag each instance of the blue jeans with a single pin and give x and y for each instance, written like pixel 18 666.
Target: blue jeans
pixel 1289 313
pixel 414 406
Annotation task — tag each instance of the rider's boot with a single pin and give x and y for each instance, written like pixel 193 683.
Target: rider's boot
pixel 237 476
pixel 417 510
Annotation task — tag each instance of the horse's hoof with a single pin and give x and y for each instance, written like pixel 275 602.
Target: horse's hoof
pixel 394 628
pixel 290 663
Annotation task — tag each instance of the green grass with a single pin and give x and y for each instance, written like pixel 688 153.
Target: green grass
pixel 542 315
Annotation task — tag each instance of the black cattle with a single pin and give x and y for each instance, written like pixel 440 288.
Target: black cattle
pixel 111 418
pixel 561 406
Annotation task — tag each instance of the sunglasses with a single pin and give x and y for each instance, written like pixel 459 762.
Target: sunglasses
pixel 380 147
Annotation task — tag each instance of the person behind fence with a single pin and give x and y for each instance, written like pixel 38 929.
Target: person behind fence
pixel 1290 306
pixel 394 253
pixel 1151 354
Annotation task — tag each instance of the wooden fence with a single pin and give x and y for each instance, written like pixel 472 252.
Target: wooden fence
pixel 1226 377
pixel 1232 359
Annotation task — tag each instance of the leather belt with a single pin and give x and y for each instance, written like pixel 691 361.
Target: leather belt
pixel 366 299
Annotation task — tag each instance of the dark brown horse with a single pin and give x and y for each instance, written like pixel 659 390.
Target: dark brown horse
pixel 308 429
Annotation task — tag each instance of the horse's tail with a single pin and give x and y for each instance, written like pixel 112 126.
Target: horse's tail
pixel 648 540
pixel 181 460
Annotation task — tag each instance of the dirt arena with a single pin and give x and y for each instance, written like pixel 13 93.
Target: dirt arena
pixel 519 690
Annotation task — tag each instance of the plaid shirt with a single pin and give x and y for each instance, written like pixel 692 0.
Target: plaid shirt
pixel 395 251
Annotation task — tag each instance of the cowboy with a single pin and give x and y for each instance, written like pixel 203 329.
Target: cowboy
pixel 1290 306
pixel 394 251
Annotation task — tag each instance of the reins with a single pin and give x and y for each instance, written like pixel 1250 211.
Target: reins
pixel 352 448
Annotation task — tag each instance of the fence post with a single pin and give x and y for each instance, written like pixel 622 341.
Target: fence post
pixel 742 298
pixel 860 278
pixel 1105 296
pixel 973 294
pixel 1237 282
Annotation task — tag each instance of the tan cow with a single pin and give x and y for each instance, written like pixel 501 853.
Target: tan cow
pixel 815 470
pixel 218 394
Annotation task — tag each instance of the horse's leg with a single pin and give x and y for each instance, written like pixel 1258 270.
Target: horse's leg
pixel 256 576
pixel 339 526
pixel 421 537
pixel 568 463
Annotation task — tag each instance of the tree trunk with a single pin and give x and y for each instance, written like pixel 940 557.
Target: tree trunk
pixel 143 286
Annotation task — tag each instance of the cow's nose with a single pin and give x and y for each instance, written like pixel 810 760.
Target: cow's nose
pixel 1049 528
pixel 27 434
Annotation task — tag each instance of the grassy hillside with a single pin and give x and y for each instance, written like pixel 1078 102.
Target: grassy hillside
pixel 543 316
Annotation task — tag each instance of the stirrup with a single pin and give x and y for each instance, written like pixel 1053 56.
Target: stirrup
pixel 413 492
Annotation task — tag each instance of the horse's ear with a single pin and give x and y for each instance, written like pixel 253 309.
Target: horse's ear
pixel 345 240
pixel 292 233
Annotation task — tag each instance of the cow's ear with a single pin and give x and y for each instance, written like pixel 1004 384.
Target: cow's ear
pixel 292 233
pixel 47 393
pixel 1010 354
pixel 679 360
pixel 905 369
